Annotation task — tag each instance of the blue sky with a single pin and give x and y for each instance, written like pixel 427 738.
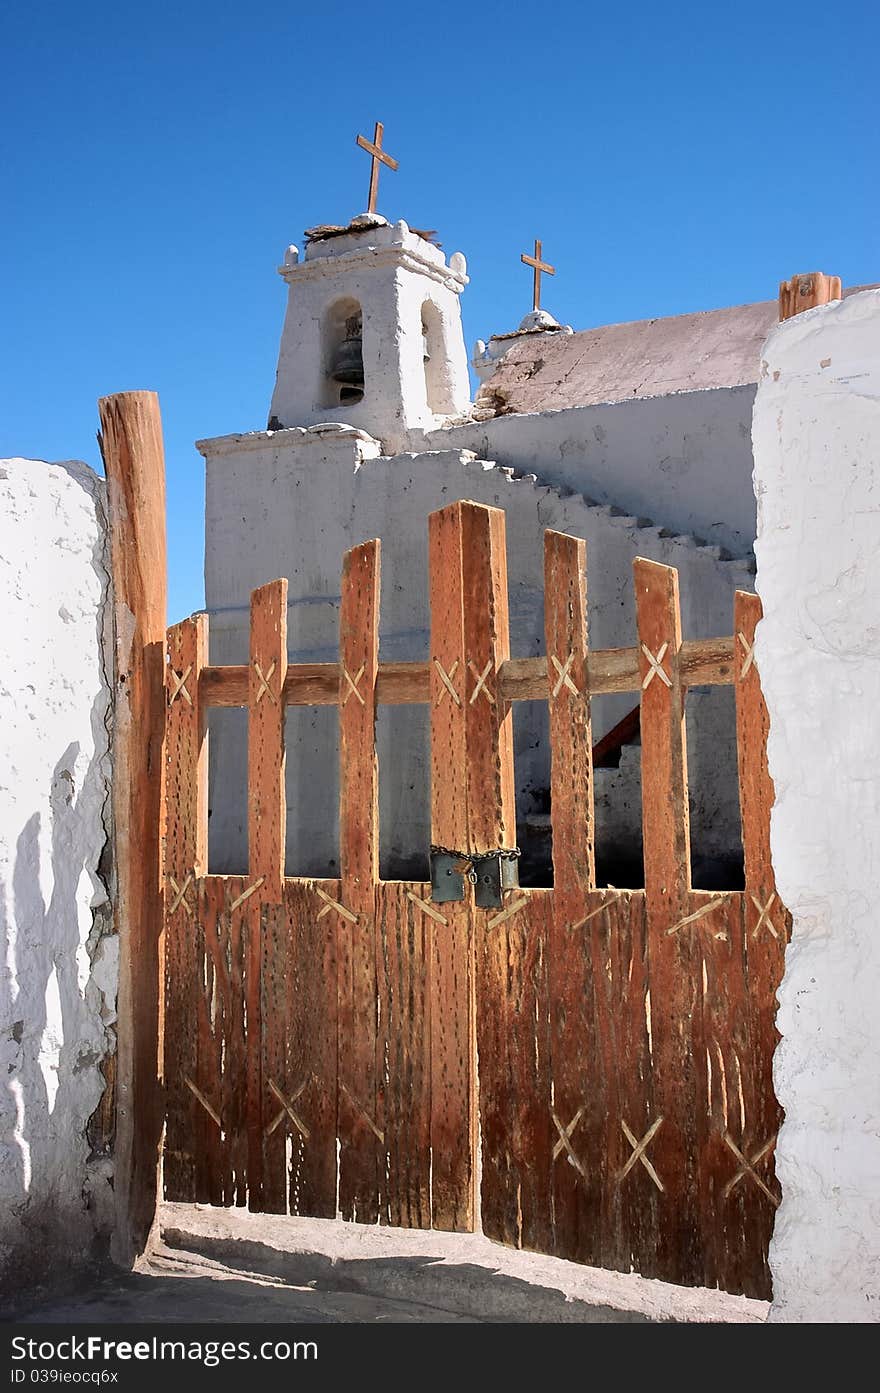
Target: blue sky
pixel 156 160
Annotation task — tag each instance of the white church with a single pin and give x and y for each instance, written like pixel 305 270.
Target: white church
pixel 635 437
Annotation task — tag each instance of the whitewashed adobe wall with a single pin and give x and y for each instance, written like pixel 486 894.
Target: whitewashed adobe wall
pixel 289 503
pixel 58 966
pixel 817 477
pixel 683 460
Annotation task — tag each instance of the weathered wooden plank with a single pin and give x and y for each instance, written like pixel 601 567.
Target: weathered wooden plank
pixel 731 1245
pixel 131 446
pixel 674 961
pixel 230 949
pixel 513 1031
pixel 312 1044
pixel 571 769
pixel 491 800
pixel 453 1104
pixel 267 811
pixel 281 1109
pixel 267 804
pixel 767 927
pixel 505 1060
pixel 631 1206
pixel 222 1076
pixel 405 923
pixel 704 662
pixel 359 1134
pixel 577 1109
pixel 185 863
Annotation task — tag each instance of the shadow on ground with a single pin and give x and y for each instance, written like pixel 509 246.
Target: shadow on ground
pixel 233 1280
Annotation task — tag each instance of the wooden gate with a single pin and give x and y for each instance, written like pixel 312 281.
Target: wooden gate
pixel 624 1037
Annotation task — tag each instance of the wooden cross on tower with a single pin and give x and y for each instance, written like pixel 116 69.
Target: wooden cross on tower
pixel 539 266
pixel 374 148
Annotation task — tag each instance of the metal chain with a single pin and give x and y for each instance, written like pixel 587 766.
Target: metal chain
pixel 505 853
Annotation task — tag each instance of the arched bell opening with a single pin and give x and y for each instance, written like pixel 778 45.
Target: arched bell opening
pixel 343 354
pixel 438 387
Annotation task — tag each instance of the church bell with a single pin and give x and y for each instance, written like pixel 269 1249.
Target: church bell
pixel 348 361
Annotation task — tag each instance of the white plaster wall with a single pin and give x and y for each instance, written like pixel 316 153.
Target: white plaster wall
pixel 58 968
pixel 684 460
pixel 290 503
pixel 817 478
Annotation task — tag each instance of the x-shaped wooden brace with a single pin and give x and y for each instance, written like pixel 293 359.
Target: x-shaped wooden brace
pixel 446 679
pixel 508 913
pixel 699 914
pixel 209 1109
pixel 481 683
pixel 638 1153
pixel 180 895
pixel 330 903
pixel 747 1167
pixel 764 915
pixel 564 1142
pixel 353 683
pixel 427 908
pixel 287 1109
pixel 362 1113
pixel 563 679
pixel 246 894
pixel 265 689
pixel 180 688
pixel 749 650
pixel 600 909
pixel 656 669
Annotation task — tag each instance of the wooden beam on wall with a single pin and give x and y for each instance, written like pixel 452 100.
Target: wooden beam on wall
pixel 134 461
pixel 806 292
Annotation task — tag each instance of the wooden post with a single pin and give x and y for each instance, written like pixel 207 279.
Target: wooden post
pixel 267 820
pixel 571 765
pixel 766 925
pixel 674 960
pixel 131 445
pixel 359 1130
pixel 186 862
pixel 806 291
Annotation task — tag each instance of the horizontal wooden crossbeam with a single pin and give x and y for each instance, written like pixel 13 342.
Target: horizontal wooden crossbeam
pixel 703 662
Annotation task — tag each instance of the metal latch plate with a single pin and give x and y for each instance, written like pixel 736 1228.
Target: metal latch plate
pixel 447 877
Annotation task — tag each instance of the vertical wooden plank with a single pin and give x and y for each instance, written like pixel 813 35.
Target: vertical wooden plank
pixel 504 975
pixel 579 1106
pixel 514 1055
pixel 186 791
pixel 361 1144
pixel 131 446
pixel 767 927
pixel 267 805
pixel 224 948
pixel 673 949
pixel 405 919
pixel 571 742
pixel 453 1103
pixel 665 816
pixel 298 981
pixel 491 801
pixel 267 811
pixel 448 747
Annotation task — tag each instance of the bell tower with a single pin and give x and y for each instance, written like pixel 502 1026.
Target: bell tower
pixel 372 337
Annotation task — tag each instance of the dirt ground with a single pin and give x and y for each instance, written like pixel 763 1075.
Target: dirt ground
pixel 230 1266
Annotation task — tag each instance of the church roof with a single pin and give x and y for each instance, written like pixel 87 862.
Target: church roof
pixel 626 362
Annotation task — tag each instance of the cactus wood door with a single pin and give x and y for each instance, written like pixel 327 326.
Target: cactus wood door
pixel 333 1046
